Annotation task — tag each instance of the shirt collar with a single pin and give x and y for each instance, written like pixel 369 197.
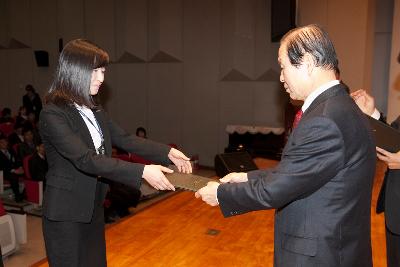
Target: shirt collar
pixel 311 97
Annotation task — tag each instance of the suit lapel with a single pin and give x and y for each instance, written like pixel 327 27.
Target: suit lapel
pixel 338 89
pixel 99 115
pixel 81 125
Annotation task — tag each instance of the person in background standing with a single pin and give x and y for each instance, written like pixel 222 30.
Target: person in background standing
pixel 31 101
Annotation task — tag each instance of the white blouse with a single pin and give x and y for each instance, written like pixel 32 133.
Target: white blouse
pixel 93 127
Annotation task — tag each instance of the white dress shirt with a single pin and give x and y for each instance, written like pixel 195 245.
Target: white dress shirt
pixel 311 97
pixel 95 132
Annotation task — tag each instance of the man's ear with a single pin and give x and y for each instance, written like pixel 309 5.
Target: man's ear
pixel 309 63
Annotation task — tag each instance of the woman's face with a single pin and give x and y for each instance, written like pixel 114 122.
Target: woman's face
pixel 97 80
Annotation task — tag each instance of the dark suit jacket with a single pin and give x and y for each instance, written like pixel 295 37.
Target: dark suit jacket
pixel 74 167
pixel 389 196
pixel 25 149
pixel 38 167
pixel 321 189
pixel 6 165
pixel 32 105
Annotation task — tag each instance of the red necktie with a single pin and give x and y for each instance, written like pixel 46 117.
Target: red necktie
pixel 297 118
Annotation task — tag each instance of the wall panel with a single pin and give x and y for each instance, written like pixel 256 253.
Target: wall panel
pixel 165 102
pixel 201 74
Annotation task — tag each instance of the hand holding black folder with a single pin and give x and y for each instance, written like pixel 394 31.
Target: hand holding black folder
pixel 189 182
pixel 386 137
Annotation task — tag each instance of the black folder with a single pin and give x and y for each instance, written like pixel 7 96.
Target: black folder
pixel 386 137
pixel 189 182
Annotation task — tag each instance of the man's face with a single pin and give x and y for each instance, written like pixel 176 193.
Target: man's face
pixel 28 137
pixel 3 144
pixel 40 149
pixel 294 79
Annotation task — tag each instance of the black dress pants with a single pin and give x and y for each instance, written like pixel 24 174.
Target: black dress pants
pixel 392 249
pixel 73 244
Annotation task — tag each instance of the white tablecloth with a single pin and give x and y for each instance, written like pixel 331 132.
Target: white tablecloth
pixel 242 129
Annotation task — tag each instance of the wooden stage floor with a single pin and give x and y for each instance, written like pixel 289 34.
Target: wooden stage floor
pixel 183 231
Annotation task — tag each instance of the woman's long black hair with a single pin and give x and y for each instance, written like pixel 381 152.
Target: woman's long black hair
pixel 72 79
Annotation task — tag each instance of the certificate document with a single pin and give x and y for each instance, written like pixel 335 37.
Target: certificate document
pixel 188 181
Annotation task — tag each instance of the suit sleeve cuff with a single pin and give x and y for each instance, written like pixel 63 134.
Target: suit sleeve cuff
pixel 376 114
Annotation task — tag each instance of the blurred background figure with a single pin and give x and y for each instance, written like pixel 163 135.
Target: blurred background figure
pixel 6 116
pixel 11 167
pixel 22 115
pixel 141 132
pixel 38 164
pixel 31 101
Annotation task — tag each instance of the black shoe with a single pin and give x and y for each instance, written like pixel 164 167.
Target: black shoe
pixel 108 220
pixel 123 212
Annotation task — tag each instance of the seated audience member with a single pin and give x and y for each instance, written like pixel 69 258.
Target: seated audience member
pixel 32 124
pixel 121 197
pixel 32 120
pixel 27 147
pixel 141 132
pixel 16 136
pixel 22 116
pixel 11 167
pixel 6 116
pixel 38 164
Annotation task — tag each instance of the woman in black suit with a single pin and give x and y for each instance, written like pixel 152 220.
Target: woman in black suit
pixel 389 195
pixel 78 135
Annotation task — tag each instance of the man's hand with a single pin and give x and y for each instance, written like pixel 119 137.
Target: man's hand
pixel 391 159
pixel 18 171
pixel 209 193
pixel 154 175
pixel 234 177
pixel 364 101
pixel 180 160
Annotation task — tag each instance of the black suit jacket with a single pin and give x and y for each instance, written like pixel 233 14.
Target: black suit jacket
pixel 75 170
pixel 32 105
pixel 38 167
pixel 7 164
pixel 321 189
pixel 389 196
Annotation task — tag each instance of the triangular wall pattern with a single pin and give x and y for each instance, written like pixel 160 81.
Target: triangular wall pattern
pixel 162 57
pixel 235 76
pixel 15 44
pixel 127 58
pixel 270 75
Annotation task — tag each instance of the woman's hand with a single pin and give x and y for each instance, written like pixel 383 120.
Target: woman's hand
pixel 391 159
pixel 364 101
pixel 180 160
pixel 154 175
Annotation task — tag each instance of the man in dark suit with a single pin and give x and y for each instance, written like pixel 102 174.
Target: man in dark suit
pixel 31 101
pixel 321 189
pixel 389 197
pixel 37 165
pixel 11 167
